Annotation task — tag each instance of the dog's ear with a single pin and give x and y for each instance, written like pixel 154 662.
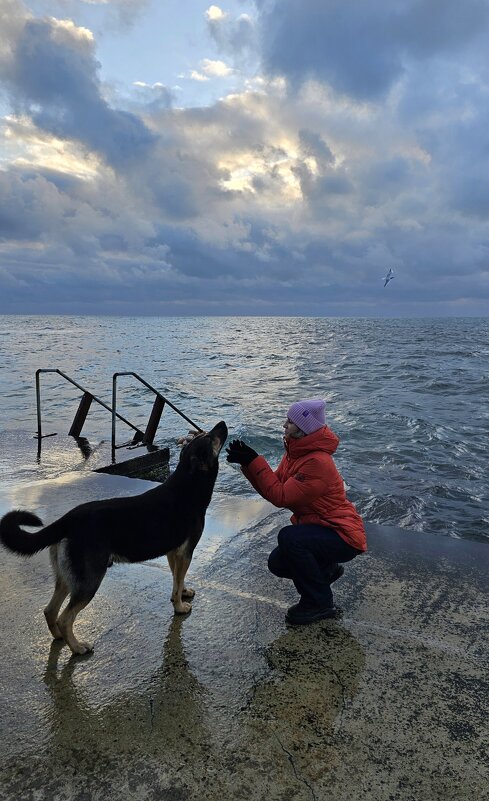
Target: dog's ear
pixel 216 446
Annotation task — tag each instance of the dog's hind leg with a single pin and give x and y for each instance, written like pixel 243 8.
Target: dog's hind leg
pixel 187 592
pixel 181 563
pixel 81 595
pixel 51 611
pixel 61 591
pixel 67 619
pixel 82 568
pixel 65 623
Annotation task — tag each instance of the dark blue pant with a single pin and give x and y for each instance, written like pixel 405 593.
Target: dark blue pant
pixel 307 554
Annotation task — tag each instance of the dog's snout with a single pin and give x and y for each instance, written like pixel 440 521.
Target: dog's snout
pixel 221 429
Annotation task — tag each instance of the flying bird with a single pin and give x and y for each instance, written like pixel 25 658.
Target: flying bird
pixel 388 277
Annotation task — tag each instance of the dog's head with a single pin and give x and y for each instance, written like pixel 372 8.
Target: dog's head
pixel 202 452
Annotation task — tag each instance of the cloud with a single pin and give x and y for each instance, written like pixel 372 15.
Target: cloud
pixel 215 69
pixel 195 75
pixel 237 37
pixel 118 14
pixel 362 49
pixel 272 199
pixel 154 96
pixel 214 13
pixel 50 72
pixel 209 69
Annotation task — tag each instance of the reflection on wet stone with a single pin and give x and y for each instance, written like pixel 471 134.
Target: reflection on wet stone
pixel 282 735
pixel 314 673
pixel 171 695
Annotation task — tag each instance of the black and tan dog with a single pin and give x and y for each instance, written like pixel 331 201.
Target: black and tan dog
pixel 166 520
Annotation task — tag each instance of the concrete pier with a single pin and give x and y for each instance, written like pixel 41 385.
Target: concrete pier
pixel 389 702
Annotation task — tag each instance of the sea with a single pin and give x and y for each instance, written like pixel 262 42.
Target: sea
pixel 408 398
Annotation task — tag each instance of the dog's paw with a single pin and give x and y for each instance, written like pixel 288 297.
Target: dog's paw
pixel 188 592
pixel 183 608
pixel 81 648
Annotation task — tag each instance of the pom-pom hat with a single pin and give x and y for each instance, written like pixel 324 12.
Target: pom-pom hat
pixel 308 415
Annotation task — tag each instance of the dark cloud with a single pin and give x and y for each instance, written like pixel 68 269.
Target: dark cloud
pixel 29 205
pixel 52 77
pixel 390 178
pixel 177 270
pixel 175 196
pixel 427 28
pixel 320 190
pixel 362 49
pixel 313 144
pixel 450 116
pixel 460 158
pixel 126 12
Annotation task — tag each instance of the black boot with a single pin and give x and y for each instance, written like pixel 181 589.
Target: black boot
pixel 303 613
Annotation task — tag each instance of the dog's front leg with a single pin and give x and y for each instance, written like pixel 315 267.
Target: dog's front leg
pixel 187 592
pixel 179 564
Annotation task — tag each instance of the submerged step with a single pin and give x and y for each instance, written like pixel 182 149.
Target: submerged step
pixel 152 466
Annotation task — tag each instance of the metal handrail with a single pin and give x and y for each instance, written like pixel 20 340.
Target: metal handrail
pixel 146 438
pixel 157 409
pixel 79 386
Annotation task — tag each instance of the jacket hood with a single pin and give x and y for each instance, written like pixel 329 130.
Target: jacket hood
pixel 321 440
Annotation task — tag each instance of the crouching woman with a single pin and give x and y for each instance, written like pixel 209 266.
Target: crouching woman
pixel 326 529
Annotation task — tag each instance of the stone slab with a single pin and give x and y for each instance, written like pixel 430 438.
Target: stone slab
pixel 387 703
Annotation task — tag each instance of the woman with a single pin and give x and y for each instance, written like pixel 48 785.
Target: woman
pixel 326 528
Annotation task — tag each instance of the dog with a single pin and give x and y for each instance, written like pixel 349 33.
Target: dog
pixel 168 519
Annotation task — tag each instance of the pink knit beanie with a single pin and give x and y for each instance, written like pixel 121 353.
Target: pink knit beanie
pixel 308 415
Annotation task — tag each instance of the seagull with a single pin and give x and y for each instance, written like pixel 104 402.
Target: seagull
pixel 388 277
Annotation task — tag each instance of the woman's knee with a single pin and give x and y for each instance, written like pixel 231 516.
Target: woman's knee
pixel 286 538
pixel 276 564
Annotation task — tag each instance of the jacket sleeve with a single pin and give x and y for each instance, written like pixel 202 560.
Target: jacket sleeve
pixel 297 491
pixel 250 472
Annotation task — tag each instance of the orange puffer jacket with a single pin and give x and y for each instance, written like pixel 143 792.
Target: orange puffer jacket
pixel 308 483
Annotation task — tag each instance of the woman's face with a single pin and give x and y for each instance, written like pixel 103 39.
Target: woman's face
pixel 291 431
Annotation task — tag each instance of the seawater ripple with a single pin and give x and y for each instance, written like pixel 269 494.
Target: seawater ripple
pixel 408 398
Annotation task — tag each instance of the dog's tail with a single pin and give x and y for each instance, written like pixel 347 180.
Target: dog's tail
pixel 19 541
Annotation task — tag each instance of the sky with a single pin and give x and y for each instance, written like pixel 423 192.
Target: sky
pixel 259 157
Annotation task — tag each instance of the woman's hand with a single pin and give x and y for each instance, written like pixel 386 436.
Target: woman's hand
pixel 240 453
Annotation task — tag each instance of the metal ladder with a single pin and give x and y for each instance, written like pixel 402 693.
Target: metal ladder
pixel 144 437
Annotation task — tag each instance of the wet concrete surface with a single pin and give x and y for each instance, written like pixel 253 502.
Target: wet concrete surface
pixel 389 702
pixel 24 457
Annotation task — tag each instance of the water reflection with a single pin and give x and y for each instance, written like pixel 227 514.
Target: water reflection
pixel 315 674
pixel 113 730
pixel 163 717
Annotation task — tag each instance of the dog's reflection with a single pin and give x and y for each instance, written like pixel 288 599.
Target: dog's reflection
pixel 163 713
pixel 300 712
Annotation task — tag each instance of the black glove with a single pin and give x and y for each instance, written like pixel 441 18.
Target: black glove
pixel 240 453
